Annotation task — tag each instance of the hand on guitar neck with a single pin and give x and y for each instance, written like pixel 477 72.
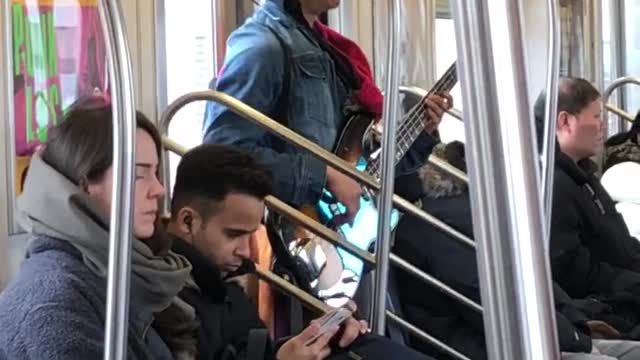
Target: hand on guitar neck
pixel 346 191
pixel 436 105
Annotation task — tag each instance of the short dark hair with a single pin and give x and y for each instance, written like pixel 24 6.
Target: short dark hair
pixel 210 172
pixel 81 146
pixel 574 95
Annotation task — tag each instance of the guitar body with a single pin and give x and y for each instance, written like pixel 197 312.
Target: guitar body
pixel 339 272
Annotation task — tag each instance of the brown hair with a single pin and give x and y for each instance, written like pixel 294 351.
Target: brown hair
pixel 81 146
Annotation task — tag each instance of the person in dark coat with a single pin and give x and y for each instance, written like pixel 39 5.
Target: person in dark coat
pixel 423 245
pixel 217 206
pixel 433 251
pixel 593 255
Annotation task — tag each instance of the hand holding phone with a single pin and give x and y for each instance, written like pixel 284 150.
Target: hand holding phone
pixel 329 322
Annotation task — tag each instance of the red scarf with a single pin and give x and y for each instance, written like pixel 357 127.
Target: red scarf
pixel 368 96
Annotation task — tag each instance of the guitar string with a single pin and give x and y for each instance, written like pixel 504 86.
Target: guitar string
pixel 409 130
pixel 412 127
pixel 409 126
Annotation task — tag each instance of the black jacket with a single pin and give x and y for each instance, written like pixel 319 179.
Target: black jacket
pixel 455 264
pixel 592 251
pixel 593 256
pixel 227 316
pixel 225 313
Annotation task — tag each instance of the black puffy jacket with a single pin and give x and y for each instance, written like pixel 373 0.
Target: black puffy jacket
pixel 592 252
pixel 455 264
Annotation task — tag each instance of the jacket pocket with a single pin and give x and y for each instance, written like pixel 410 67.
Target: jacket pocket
pixel 313 93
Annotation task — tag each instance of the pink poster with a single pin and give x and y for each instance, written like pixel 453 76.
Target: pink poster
pixel 58 56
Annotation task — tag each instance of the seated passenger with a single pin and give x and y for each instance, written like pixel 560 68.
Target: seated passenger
pixel 217 206
pixel 55 307
pixel 593 255
pixel 622 147
pixel 621 173
pixel 436 253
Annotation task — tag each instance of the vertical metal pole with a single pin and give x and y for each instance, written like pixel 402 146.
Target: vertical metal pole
pixel 161 56
pixel 551 111
pixel 162 90
pixel 387 174
pixel 618 60
pixel 7 134
pixel 598 56
pixel 120 234
pixel 429 42
pixel 514 271
pixel 216 41
pixel 9 116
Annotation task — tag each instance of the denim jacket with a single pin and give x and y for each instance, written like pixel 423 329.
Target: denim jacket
pixel 253 72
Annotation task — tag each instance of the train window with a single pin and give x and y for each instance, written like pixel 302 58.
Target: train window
pixel 451 128
pixel 189 65
pixel 632 53
pixel 606 42
pixel 631 49
pixel 189 46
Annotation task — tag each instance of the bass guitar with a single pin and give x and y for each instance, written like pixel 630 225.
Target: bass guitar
pixel 335 271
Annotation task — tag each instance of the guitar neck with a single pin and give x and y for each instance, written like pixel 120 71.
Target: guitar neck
pixel 413 124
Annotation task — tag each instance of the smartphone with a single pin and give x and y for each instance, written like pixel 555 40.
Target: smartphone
pixel 331 320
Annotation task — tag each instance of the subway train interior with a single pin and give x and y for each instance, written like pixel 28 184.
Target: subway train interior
pixel 421 185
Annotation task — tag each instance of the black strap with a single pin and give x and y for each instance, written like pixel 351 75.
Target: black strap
pixel 257 344
pixel 296 319
pixel 285 264
pixel 281 113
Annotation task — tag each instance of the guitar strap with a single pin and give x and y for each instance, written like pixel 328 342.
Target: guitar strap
pixel 286 264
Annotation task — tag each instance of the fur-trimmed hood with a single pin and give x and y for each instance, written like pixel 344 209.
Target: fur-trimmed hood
pixel 437 183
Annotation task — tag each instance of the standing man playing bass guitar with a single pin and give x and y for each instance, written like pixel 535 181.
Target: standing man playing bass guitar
pixel 284 63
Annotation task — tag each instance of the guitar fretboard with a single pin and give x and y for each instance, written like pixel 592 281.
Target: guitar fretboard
pixel 413 123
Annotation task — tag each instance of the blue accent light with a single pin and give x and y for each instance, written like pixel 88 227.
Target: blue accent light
pixel 364 231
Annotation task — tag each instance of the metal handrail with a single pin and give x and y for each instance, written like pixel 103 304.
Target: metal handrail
pixel 287 134
pixel 455 113
pixel 336 239
pixel 551 117
pixel 621 113
pixel 420 92
pixel 448 168
pixel 120 231
pixel 619 83
pixel 425 336
pixel 610 89
pixel 309 300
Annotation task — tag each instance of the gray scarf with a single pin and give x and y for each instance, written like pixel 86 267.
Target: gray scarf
pixel 52 205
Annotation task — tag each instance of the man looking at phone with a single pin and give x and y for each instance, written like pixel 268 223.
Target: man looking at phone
pixel 217 206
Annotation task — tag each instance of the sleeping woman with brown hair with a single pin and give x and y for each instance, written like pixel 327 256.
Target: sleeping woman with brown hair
pixel 55 307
